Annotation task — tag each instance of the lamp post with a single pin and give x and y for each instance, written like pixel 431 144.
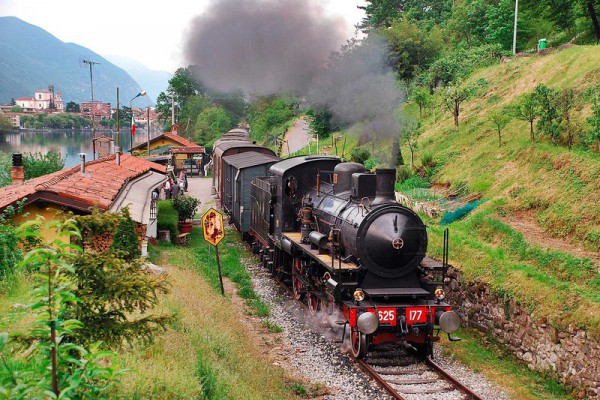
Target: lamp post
pixel 515 28
pixel 142 93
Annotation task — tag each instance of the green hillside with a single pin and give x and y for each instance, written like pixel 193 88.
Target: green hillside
pixel 549 186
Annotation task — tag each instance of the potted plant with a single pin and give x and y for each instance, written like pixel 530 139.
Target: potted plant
pixel 186 208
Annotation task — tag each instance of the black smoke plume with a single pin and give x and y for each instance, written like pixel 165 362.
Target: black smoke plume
pixel 262 47
pixel 272 46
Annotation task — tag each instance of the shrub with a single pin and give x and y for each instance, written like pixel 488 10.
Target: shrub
pixel 371 163
pixel 185 206
pixel 54 366
pixel 359 155
pixel 126 239
pixel 167 218
pixel 403 173
pixel 38 164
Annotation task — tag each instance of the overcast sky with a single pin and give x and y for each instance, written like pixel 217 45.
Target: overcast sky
pixel 147 31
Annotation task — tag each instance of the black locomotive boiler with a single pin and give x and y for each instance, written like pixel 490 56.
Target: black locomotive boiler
pixel 336 235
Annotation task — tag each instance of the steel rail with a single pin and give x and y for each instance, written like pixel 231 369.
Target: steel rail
pixel 459 385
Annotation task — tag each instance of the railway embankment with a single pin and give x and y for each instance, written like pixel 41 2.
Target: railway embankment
pixel 570 354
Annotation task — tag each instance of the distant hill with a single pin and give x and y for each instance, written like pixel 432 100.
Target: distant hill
pixel 152 81
pixel 31 59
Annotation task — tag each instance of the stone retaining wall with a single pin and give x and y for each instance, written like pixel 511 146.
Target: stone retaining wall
pixel 571 355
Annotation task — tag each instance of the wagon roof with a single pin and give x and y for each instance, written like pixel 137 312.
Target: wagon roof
pixel 282 166
pixel 250 159
pixel 224 146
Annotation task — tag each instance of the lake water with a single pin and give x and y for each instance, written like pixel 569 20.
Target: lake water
pixel 69 143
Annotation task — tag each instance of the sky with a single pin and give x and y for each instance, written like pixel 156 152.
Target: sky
pixel 149 32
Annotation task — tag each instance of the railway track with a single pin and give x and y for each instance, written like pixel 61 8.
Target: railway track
pixel 404 377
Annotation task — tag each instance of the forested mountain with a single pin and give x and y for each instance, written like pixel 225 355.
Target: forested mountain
pixel 32 59
pixel 152 81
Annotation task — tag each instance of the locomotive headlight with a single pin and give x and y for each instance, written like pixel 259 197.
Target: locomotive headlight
pixel 439 294
pixel 449 321
pixel 359 295
pixel 367 322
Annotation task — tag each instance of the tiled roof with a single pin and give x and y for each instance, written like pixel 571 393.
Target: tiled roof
pixel 176 138
pixel 181 140
pixel 188 150
pixel 99 185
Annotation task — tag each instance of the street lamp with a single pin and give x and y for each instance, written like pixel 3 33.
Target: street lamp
pixel 142 93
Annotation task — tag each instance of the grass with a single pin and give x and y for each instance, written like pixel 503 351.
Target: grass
pixel 491 359
pixel 206 353
pixel 558 187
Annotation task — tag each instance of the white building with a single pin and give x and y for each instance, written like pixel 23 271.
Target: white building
pixel 42 100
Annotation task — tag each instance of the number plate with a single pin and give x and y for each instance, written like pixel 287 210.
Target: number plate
pixel 387 316
pixel 414 315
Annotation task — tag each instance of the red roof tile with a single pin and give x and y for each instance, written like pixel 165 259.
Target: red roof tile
pixel 99 185
pixel 176 138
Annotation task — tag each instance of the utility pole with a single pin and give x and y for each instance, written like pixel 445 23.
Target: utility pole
pixel 172 110
pixel 148 127
pixel 515 29
pixel 91 64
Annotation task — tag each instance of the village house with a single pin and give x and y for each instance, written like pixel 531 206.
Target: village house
pixel 170 148
pixel 97 109
pixel 109 183
pixel 42 100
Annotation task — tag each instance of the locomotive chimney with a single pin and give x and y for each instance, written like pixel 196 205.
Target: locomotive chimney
pixel 384 186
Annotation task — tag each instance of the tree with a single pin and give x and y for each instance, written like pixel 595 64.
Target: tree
pixel 57 367
pixel 210 124
pixel 115 294
pixel 13 102
pixel 422 98
pixel 453 96
pixel 526 109
pixel 591 5
pixel 412 49
pixel 182 86
pixel 16 108
pixel 321 122
pixel 380 13
pixel 565 102
pixel 72 107
pixel 499 119
pixel 5 124
pixel 594 120
pixel 411 135
pixel 38 164
pixel 549 119
pixel 126 239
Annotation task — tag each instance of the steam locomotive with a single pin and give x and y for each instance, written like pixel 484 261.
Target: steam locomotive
pixel 335 233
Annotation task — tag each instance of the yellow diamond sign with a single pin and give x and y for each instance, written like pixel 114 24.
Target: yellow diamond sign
pixel 212 226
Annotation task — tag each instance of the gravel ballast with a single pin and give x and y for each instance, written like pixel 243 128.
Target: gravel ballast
pixel 314 354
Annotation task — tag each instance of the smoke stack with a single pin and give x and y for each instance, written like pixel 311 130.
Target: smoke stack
pixel 82 158
pixel 118 151
pixel 384 186
pixel 17 173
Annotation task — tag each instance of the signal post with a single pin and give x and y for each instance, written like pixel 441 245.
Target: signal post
pixel 212 227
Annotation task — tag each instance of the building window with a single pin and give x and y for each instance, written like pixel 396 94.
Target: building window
pixel 153 209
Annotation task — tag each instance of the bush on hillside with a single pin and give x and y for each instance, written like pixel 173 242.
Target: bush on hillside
pixel 360 155
pixel 167 218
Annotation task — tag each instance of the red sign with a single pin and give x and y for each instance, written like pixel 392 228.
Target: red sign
pixel 415 315
pixel 387 315
pixel 212 226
